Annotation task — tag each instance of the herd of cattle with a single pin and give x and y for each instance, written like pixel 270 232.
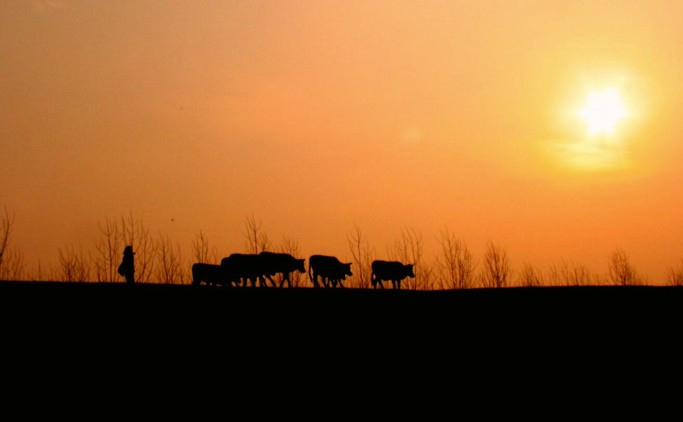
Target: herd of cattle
pixel 323 270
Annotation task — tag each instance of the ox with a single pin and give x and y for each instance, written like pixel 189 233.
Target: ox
pixel 330 270
pixel 211 274
pixel 393 271
pixel 271 263
pixel 243 268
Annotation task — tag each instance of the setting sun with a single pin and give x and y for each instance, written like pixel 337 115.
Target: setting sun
pixel 602 111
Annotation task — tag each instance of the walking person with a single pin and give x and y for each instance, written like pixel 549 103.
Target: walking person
pixel 127 267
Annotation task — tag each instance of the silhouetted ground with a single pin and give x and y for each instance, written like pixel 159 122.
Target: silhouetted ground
pixel 327 339
pixel 600 311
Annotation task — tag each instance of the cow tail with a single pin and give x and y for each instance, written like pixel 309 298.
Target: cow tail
pixel 310 273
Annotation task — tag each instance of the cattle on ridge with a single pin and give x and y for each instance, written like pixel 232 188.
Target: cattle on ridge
pixel 243 268
pixel 331 271
pixel 393 271
pixel 272 263
pixel 210 274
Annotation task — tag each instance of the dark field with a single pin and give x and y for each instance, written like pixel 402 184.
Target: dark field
pixel 543 311
pixel 550 332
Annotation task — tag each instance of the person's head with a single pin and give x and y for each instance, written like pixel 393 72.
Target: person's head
pixel 128 250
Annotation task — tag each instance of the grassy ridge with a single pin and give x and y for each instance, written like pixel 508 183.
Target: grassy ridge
pixel 506 306
pixel 183 328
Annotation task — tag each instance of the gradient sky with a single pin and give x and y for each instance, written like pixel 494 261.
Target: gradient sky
pixel 315 116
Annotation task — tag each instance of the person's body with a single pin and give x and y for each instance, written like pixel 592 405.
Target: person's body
pixel 127 267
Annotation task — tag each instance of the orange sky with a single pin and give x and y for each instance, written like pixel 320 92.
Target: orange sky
pixel 315 116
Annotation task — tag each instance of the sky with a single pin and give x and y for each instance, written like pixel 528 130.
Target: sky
pixel 315 117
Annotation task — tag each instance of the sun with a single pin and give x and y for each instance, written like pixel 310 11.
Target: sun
pixel 602 111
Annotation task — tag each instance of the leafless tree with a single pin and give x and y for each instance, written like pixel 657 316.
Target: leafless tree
pixel 5 232
pixel 201 251
pixel 169 269
pixel 362 258
pixel 455 264
pixel 136 234
pixel 75 266
pixel 621 271
pixel 291 246
pixel 11 260
pixel 409 249
pixel 115 234
pixel 108 250
pixel 256 240
pixel 676 275
pixel 569 274
pixel 530 276
pixel 497 270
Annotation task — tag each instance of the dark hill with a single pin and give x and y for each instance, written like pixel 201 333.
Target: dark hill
pixel 532 309
pixel 554 333
pixel 273 321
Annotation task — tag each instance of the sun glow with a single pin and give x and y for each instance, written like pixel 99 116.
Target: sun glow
pixel 602 139
pixel 602 111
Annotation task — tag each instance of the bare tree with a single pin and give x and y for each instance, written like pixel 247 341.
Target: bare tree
pixel 13 266
pixel 75 266
pixel 201 251
pixel 11 260
pixel 108 251
pixel 169 269
pixel 621 271
pixel 569 274
pixel 409 249
pixel 362 258
pixel 497 271
pixel 530 277
pixel 5 231
pixel 256 240
pixel 291 246
pixel 455 264
pixel 676 275
pixel 136 234
pixel 115 234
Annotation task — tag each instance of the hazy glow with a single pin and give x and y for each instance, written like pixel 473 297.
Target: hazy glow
pixel 602 111
pixel 602 143
pixel 314 116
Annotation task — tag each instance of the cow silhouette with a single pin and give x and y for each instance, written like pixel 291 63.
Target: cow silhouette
pixel 212 275
pixel 272 263
pixel 243 269
pixel 331 271
pixel 393 271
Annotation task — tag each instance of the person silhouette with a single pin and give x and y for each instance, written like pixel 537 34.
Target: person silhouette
pixel 127 267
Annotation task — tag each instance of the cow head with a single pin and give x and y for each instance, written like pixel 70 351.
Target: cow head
pixel 347 269
pixel 409 270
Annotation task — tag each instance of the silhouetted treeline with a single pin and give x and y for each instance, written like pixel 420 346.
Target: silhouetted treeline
pixel 454 265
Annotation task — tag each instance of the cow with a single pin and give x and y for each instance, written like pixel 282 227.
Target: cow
pixel 393 271
pixel 243 268
pixel 330 270
pixel 272 263
pixel 210 274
